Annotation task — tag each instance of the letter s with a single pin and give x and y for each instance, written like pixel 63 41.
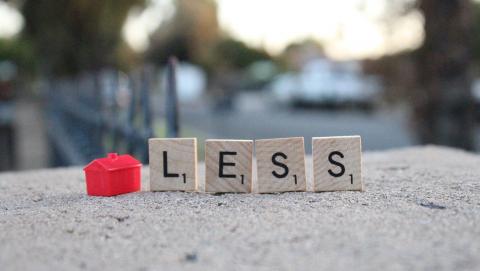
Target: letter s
pixel 282 165
pixel 338 164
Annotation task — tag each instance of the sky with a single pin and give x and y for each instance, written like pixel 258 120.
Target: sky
pixel 11 21
pixel 348 29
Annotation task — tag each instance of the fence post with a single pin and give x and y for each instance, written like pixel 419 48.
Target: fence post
pixel 172 100
pixel 147 112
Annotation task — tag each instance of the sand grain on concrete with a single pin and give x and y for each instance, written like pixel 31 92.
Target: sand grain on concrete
pixel 421 210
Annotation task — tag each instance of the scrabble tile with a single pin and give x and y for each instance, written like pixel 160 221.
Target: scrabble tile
pixel 173 164
pixel 337 163
pixel 280 165
pixel 228 165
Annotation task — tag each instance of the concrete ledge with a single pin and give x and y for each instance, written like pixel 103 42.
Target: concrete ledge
pixel 421 210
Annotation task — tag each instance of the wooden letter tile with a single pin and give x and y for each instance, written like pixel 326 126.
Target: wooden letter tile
pixel 337 163
pixel 228 165
pixel 280 165
pixel 173 164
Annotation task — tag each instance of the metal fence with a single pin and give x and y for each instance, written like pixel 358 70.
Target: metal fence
pixel 109 111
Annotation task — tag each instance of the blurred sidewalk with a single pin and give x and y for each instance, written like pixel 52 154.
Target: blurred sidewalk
pixel 30 139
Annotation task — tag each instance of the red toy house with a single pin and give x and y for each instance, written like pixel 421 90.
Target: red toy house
pixel 113 175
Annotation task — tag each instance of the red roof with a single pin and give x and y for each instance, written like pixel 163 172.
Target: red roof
pixel 113 162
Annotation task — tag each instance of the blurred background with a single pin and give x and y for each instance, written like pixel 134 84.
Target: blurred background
pixel 80 78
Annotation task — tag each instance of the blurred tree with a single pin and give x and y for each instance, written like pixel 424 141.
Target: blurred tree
pixel 436 78
pixel 399 76
pixel 229 53
pixel 297 54
pixel 19 52
pixel 476 31
pixel 189 35
pixel 228 63
pixel 444 106
pixel 193 34
pixel 74 35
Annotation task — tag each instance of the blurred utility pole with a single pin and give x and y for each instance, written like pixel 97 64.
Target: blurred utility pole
pixel 173 129
pixel 444 104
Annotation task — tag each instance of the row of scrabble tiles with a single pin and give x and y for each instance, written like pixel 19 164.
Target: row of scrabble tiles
pixel 280 164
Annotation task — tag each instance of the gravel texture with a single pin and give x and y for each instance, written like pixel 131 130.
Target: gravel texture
pixel 421 210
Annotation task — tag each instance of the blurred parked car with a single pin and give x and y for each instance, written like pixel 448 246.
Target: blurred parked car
pixel 325 83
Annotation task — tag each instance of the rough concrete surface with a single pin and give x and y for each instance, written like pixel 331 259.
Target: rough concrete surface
pixel 420 211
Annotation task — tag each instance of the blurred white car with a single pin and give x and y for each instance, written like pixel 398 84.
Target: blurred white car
pixel 323 82
pixel 283 87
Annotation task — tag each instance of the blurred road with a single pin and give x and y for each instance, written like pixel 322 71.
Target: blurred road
pixel 379 130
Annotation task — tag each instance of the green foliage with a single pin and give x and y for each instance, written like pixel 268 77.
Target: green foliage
pixel 19 52
pixel 476 32
pixel 74 35
pixel 236 54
